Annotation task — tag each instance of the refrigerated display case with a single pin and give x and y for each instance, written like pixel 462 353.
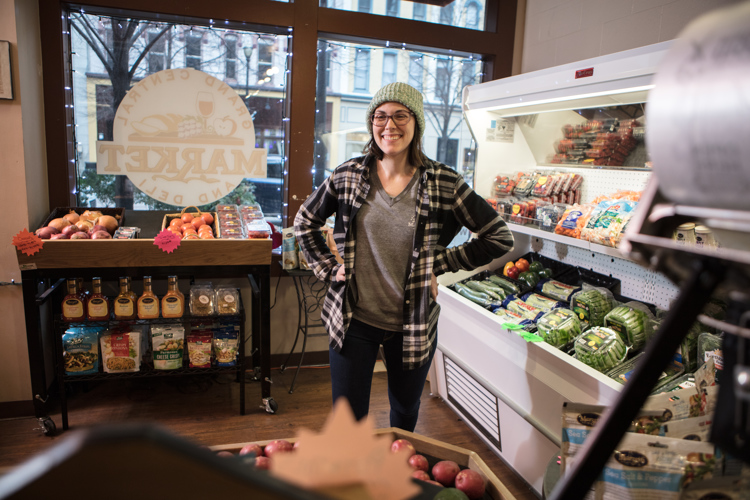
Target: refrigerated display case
pixel 509 390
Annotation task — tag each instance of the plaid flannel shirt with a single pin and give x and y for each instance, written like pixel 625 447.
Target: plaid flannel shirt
pixel 446 204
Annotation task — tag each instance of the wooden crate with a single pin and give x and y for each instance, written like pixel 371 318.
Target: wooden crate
pixel 214 225
pixel 426 446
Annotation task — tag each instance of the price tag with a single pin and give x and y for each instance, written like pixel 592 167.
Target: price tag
pixel 167 241
pixel 27 243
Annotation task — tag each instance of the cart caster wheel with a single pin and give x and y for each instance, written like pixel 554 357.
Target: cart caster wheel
pixel 271 405
pixel 282 368
pixel 48 426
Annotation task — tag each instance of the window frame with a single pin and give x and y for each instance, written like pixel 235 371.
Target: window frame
pixel 307 21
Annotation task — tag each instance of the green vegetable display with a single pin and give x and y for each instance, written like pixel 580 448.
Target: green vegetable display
pixel 558 327
pixel 601 348
pixel 632 324
pixel 536 266
pixel 480 298
pixel 507 285
pixel 487 287
pixel 591 306
pixel 560 291
pixel 545 273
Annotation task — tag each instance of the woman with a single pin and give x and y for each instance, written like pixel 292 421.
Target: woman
pixel 396 211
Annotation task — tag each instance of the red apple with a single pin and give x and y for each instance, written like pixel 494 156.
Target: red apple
pixel 263 463
pixel 471 483
pixel 434 482
pixel 445 472
pixel 253 448
pixel 419 462
pixel 278 446
pixel 421 475
pixel 80 235
pixel 404 445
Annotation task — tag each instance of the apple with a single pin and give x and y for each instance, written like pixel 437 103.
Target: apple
pixel 278 446
pixel 404 445
pixel 434 482
pixel 471 483
pixel 80 235
pixel 421 475
pixel 419 462
pixel 262 463
pixel 253 448
pixel 445 472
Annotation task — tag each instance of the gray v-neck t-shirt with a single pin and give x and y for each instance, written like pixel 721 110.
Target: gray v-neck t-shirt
pixel 385 228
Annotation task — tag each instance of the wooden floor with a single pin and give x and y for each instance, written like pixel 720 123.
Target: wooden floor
pixel 206 411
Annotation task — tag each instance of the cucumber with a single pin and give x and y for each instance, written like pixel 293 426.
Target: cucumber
pixel 509 286
pixel 557 290
pixel 480 287
pixel 480 298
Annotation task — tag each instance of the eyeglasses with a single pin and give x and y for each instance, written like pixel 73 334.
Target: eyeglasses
pixel 399 118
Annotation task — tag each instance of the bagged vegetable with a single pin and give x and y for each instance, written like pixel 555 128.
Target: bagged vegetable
pixel 710 347
pixel 557 290
pixel 600 348
pixel 481 298
pixel 574 220
pixel 487 287
pixel 542 302
pixel 633 321
pixel 510 317
pixel 558 327
pixel 81 350
pixel 606 225
pixel 520 307
pixel 592 305
pixel 623 372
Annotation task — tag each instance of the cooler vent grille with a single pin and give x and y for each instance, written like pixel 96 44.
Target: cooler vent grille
pixel 474 401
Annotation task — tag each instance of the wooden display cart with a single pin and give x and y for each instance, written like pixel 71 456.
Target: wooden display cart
pixel 45 271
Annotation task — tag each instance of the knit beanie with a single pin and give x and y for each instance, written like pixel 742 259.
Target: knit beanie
pixel 402 93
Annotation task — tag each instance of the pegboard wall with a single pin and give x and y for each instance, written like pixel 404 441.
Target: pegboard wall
pixel 599 181
pixel 637 282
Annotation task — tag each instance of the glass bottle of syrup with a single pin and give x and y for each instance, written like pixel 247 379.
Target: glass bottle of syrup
pixel 97 306
pixel 148 302
pixel 173 303
pixel 124 305
pixel 72 306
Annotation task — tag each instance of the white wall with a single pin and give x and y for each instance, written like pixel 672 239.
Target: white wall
pixel 23 164
pixel 564 31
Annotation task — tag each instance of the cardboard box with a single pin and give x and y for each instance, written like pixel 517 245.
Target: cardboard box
pixel 431 448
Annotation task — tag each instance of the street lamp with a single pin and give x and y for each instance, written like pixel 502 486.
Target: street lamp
pixel 248 50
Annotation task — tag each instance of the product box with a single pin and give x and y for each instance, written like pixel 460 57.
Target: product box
pixel 433 449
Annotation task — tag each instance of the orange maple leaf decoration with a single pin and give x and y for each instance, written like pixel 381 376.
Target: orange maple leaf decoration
pixel 27 243
pixel 346 453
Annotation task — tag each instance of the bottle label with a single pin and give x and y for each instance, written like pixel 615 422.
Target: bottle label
pixel 148 307
pixel 123 307
pixel 172 306
pixel 98 308
pixel 72 308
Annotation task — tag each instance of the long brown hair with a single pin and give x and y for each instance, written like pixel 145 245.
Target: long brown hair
pixel 416 156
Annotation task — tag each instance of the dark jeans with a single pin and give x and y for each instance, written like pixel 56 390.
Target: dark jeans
pixel 351 374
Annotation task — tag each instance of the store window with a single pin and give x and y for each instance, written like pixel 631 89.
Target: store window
pixel 464 13
pixel 362 70
pixel 389 67
pixel 99 87
pixel 230 56
pixel 344 133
